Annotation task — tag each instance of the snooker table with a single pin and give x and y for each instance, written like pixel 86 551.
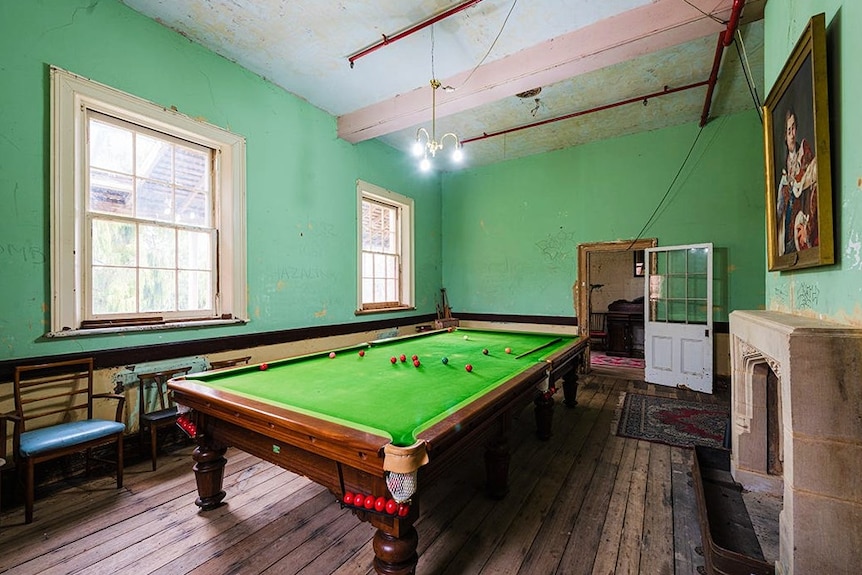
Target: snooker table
pixel 370 426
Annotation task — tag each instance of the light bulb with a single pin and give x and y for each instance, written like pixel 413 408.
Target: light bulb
pixel 417 148
pixel 457 154
pixel 425 164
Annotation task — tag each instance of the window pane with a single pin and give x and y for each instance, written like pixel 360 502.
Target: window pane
pixel 194 288
pixel 155 201
pixel 111 193
pixel 157 290
pixel 113 290
pixel 114 243
pixel 192 171
pixel 367 290
pixel 193 249
pixel 154 159
pixel 391 293
pixel 192 208
pixel 158 247
pixel 110 147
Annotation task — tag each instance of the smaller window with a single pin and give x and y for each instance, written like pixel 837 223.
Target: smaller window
pixel 385 258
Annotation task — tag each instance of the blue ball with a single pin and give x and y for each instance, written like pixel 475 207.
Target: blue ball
pixel 445 360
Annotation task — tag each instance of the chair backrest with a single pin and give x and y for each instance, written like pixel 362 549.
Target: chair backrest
pixel 55 392
pixel 158 381
pixel 597 322
pixel 223 363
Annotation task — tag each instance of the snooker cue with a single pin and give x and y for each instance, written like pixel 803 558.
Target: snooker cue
pixel 543 346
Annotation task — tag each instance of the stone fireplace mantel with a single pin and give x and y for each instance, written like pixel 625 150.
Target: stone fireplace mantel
pixel 814 412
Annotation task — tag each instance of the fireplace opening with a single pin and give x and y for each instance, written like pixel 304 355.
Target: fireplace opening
pixel 774 453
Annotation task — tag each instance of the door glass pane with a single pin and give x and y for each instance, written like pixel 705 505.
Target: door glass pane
pixel 676 262
pixel 676 311
pixel 697 261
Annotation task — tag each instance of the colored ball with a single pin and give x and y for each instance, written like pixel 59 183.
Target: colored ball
pixel 263 367
pixel 403 357
pixel 403 510
pixel 445 360
pixel 369 502
pixel 450 330
pixel 391 507
pixel 358 500
pixel 415 357
pixel 416 363
pixel 485 351
pixel 380 504
pixel 331 355
pixel 393 359
pixel 361 353
pixel 348 498
pixel 468 367
pixel 508 350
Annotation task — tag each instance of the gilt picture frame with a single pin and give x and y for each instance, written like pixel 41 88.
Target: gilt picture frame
pixel 798 171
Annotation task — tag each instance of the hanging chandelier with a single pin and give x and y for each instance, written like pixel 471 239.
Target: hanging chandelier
pixel 427 144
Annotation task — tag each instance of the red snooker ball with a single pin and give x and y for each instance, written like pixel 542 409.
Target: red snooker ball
pixel 358 500
pixel 348 498
pixel 393 359
pixel 369 502
pixel 468 367
pixel 391 507
pixel 361 353
pixel 403 357
pixel 263 367
pixel 415 357
pixel 415 363
pixel 331 355
pixel 380 504
pixel 403 510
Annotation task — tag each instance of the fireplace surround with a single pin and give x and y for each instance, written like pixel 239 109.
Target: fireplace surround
pixel 796 431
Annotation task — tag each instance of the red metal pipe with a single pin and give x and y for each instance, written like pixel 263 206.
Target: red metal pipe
pixel 725 39
pixel 664 92
pixel 415 28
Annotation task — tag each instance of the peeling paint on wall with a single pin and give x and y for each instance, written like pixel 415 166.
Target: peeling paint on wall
pixel 853 252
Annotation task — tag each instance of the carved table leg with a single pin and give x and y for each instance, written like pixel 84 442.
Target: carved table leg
pixel 396 555
pixel 497 461
pixel 209 473
pixel 544 411
pixel 570 387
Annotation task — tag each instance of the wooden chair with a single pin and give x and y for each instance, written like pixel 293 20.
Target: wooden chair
pixel 225 363
pixel 166 412
pixel 598 330
pixel 53 417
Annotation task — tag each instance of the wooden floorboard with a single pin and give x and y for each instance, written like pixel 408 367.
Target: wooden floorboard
pixel 585 502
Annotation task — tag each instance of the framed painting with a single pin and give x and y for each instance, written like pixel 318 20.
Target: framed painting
pixel 798 174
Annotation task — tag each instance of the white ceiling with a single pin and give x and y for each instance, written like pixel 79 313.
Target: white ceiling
pixel 582 53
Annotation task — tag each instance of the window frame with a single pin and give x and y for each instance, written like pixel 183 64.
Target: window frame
pixel 71 97
pixel 406 210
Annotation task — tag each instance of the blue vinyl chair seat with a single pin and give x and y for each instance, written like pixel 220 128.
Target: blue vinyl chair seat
pixel 67 434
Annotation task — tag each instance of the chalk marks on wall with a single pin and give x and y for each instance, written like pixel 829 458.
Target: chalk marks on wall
pixel 18 253
pixel 803 295
pixel 558 247
pixel 807 295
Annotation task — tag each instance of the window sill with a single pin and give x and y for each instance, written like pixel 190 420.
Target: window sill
pixel 141 328
pixel 384 310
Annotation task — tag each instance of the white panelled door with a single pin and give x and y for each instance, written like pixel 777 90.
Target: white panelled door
pixel 678 324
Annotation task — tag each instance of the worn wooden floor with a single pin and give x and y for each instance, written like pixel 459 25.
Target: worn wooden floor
pixel 585 502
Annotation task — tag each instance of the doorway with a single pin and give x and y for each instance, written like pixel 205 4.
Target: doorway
pixel 610 272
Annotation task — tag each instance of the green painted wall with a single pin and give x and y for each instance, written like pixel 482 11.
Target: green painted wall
pixel 831 292
pixel 511 230
pixel 301 177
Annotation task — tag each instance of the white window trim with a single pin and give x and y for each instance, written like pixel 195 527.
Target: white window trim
pixel 71 96
pixel 407 231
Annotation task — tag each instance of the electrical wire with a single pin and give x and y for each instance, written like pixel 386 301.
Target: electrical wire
pixel 494 43
pixel 707 14
pixel 746 70
pixel 669 188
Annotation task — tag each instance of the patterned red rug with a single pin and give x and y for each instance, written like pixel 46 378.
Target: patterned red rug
pixel 672 421
pixel 598 359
